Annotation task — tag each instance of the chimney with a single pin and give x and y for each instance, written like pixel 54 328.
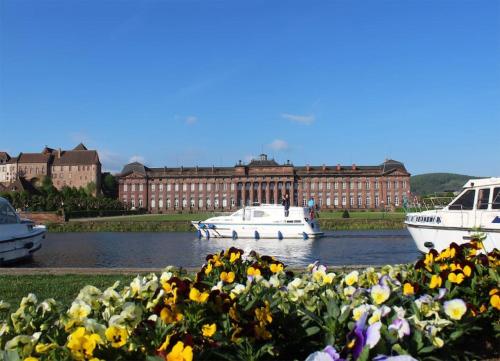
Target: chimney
pixel 59 153
pixel 196 169
pixel 213 169
pixel 338 167
pixel 308 168
pixel 353 166
pixel 323 167
pixel 182 168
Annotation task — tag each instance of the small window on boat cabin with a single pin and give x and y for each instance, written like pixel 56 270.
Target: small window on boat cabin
pixel 464 202
pixel 7 213
pixel 496 198
pixel 483 198
pixel 258 213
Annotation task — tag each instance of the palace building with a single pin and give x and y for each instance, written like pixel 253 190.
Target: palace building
pixel 162 190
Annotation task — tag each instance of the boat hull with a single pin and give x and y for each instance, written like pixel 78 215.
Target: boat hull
pixel 21 246
pixel 439 238
pixel 276 231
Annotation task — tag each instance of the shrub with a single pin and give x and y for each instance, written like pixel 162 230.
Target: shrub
pixel 345 214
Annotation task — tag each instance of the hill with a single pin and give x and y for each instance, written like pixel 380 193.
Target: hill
pixel 430 183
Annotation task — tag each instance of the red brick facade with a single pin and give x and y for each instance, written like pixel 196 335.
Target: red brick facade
pixel 162 190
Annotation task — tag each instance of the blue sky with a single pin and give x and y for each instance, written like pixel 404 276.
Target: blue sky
pixel 211 82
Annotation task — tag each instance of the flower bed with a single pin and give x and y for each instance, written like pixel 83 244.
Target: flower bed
pixel 249 307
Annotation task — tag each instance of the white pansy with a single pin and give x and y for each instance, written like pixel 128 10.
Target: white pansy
pixel 351 278
pixel 380 294
pixel 79 310
pixel 455 308
pixel 349 291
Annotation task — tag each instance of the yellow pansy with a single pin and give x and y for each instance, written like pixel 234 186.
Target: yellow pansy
pixel 495 301
pixel 209 330
pixel 117 336
pixel 180 353
pixel 408 289
pixel 215 260
pixel 170 315
pixel 467 270
pixel 327 279
pixel 208 269
pixel 44 347
pixel 261 333
pixel 227 277
pixel 436 281
pixel 380 294
pixel 263 314
pixel 456 277
pixel 352 278
pixel 165 344
pixel 81 344
pixel 197 296
pixel 276 267
pixel 253 271
pixel 31 358
pixel 234 257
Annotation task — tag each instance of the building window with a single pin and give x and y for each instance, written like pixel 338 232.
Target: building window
pixel 125 187
pixel 153 187
pixel 140 202
pixel 404 184
pixel 360 202
pixel 376 201
pixel 169 204
pixel 216 202
pixel 200 203
pixel 320 186
pixel 224 201
pixel 184 187
pixel 176 187
pixel 161 187
pixel 304 202
pixel 200 187
pixel 176 203
pixel 367 185
pixel 232 188
pixel 153 203
pixel 160 203
pixel 232 203
pixel 359 184
pixel 396 201
pixel 192 187
pixel 328 202
pixel 344 185
pixel 141 187
pixel 368 201
pixel 184 202
pixel 351 201
pixel 132 203
pixel 191 202
pixel 133 187
pixel 209 203
pixel 344 201
pixel 388 184
pixel 216 187
pixel 328 186
pixel 169 187
pixel 388 200
pixel 336 201
pixel 396 184
pixel 336 185
pixel 224 186
pixel 209 188
pixel 376 183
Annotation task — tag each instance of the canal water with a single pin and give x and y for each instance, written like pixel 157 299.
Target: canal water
pixel 157 250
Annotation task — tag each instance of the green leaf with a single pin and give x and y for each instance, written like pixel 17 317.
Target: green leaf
pixel 399 350
pixel 365 354
pixel 455 335
pixel 312 330
pixel 427 349
pixel 153 358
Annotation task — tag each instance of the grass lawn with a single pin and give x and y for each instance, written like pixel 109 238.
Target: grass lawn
pixel 63 288
pixel 203 216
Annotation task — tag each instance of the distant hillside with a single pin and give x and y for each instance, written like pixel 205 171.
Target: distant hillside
pixel 437 182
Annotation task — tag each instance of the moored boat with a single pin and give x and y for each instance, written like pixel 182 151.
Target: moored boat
pixel 19 238
pixel 475 211
pixel 262 221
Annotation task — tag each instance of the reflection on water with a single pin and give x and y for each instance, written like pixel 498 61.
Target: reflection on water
pixel 183 249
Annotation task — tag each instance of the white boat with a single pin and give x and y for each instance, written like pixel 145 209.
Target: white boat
pixel 262 221
pixel 476 210
pixel 19 238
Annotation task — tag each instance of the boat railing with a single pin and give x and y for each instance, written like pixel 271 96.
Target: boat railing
pixel 427 204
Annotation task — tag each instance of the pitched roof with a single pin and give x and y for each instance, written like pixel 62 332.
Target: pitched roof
pixel 134 167
pixel 33 158
pixel 4 157
pixel 21 184
pixel 75 157
pixel 80 147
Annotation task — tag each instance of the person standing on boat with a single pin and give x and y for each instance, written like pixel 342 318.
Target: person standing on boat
pixel 286 203
pixel 310 204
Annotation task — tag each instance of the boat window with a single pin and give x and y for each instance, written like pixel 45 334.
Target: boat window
pixel 483 198
pixel 238 214
pixel 464 202
pixel 7 213
pixel 496 198
pixel 260 214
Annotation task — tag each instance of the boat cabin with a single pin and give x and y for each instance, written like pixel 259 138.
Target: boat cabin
pixel 480 194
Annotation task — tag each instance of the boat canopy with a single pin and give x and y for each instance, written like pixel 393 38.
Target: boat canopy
pixel 7 214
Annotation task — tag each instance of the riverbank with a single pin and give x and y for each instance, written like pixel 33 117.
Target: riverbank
pixel 181 223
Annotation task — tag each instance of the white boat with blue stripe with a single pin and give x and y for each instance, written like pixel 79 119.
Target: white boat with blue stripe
pixel 19 238
pixel 262 221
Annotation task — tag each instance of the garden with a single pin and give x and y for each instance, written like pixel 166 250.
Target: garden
pixel 246 306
